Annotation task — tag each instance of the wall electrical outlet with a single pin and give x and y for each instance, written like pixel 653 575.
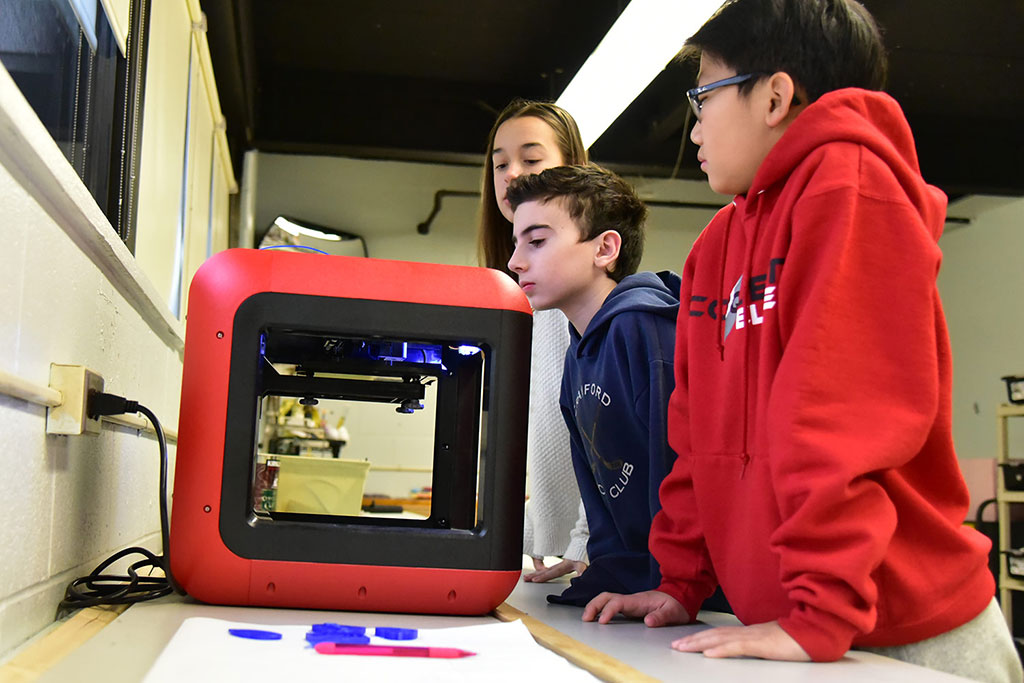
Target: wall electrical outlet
pixel 74 382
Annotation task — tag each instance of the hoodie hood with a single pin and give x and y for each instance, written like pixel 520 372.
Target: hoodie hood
pixel 867 124
pixel 867 118
pixel 647 292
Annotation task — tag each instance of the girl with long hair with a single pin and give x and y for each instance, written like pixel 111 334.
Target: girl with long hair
pixel 528 137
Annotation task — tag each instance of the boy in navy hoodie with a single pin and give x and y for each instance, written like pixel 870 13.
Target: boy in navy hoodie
pixel 817 481
pixel 578 235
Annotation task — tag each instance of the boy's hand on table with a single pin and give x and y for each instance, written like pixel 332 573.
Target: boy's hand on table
pixel 654 607
pixel 767 641
pixel 543 573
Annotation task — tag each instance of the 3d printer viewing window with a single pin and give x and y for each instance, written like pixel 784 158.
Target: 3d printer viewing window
pixel 368 430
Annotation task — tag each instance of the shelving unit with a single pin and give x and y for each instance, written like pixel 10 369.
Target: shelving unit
pixel 1004 498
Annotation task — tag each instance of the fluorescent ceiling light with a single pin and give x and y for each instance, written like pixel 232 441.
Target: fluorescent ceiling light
pixel 296 229
pixel 643 40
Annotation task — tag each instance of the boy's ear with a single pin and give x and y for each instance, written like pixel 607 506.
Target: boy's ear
pixel 782 92
pixel 608 244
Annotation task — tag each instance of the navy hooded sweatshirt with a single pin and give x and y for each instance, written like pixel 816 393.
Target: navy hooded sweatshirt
pixel 615 389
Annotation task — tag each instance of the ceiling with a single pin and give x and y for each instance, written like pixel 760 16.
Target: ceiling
pixel 423 80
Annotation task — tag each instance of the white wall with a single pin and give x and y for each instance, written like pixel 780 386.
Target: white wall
pixel 72 293
pixel 69 501
pixel 381 200
pixel 982 284
pixel 385 200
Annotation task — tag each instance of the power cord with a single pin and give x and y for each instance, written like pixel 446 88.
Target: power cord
pixel 106 589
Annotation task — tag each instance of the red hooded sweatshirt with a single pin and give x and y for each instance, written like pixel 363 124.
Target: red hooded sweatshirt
pixel 817 480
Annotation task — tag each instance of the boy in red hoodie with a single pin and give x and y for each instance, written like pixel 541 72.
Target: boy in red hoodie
pixel 816 478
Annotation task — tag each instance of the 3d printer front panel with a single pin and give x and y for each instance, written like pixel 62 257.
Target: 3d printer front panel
pixel 461 410
pixel 464 558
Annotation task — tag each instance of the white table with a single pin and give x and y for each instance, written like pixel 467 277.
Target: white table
pixel 647 649
pixel 125 649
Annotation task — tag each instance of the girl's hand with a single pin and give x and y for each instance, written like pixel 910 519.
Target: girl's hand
pixel 543 573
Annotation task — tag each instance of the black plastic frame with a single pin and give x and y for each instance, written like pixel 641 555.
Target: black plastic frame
pixel 495 541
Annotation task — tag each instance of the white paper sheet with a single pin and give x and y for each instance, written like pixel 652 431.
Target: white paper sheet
pixel 204 650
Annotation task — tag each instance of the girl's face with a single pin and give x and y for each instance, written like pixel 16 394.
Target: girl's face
pixel 522 146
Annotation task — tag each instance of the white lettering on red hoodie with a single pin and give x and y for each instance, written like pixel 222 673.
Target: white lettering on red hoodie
pixel 816 479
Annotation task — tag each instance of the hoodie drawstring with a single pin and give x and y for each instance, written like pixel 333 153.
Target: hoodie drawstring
pixel 723 309
pixel 748 267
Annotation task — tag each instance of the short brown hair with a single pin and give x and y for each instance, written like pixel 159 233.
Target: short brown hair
pixel 598 200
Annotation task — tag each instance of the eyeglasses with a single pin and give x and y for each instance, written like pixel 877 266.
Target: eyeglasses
pixel 694 94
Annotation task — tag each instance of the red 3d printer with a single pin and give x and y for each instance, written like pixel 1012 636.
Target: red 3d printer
pixel 269 326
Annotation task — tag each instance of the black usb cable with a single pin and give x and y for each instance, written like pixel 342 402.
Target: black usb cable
pixel 110 589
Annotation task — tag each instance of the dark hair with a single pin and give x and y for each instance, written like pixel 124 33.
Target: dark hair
pixel 823 45
pixel 598 200
pixel 493 244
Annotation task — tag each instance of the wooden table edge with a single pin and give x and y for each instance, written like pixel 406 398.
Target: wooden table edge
pixel 601 664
